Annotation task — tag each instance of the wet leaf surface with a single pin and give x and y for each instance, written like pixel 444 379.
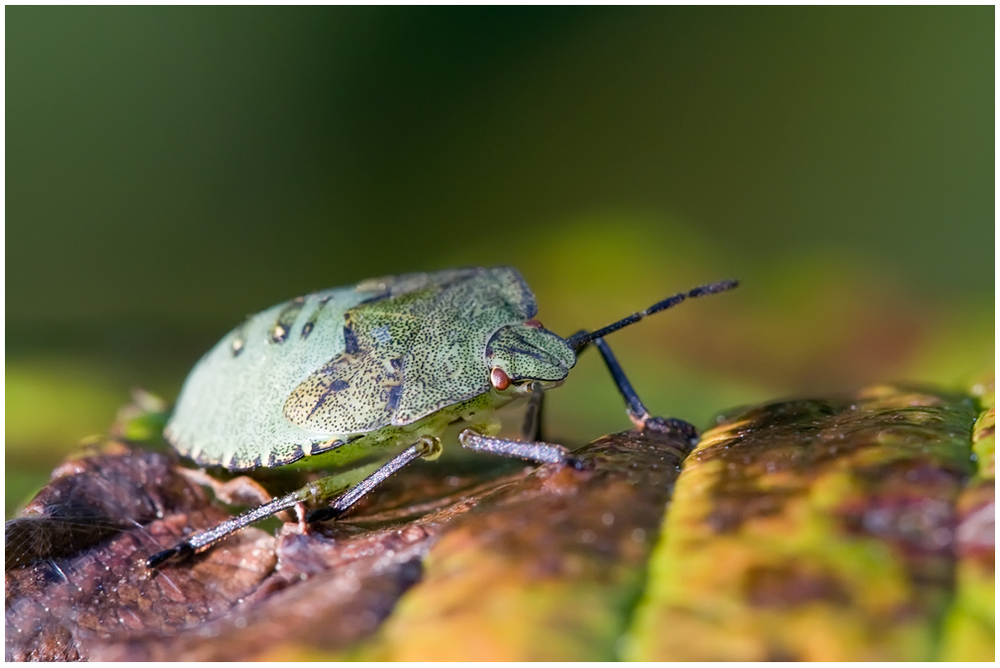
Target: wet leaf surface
pixel 859 527
pixel 297 595
pixel 814 530
pixel 548 568
pixel 970 626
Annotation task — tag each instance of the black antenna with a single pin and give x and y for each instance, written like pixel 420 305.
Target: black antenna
pixel 580 339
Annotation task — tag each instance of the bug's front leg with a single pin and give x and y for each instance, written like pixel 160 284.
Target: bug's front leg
pixel 637 411
pixel 531 428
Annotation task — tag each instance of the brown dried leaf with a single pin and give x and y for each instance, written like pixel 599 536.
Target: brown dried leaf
pixel 78 587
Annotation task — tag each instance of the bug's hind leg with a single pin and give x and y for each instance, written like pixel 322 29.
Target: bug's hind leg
pixel 204 540
pixel 240 491
pixel 637 411
pixel 314 492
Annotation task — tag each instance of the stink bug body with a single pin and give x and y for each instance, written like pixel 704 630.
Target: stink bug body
pixel 338 375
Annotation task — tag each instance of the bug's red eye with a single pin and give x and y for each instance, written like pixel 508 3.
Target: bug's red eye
pixel 499 379
pixel 533 323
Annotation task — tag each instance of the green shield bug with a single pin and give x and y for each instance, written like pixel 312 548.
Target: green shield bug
pixel 338 375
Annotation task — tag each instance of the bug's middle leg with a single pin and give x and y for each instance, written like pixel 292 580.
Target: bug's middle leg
pixel 482 437
pixel 533 451
pixel 314 491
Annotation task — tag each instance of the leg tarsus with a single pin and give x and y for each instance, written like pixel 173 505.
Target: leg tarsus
pixel 181 550
pixel 672 425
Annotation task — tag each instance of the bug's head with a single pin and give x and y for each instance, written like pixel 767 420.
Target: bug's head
pixel 520 355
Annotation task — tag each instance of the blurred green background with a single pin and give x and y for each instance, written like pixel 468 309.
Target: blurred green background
pixel 170 170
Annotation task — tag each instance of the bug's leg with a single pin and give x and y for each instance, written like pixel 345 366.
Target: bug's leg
pixel 315 491
pixel 637 411
pixel 300 517
pixel 427 447
pixel 534 451
pixel 202 541
pixel 531 428
pixel 240 491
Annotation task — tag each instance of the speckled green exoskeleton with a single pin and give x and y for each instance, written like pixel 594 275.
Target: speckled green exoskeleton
pixel 339 375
